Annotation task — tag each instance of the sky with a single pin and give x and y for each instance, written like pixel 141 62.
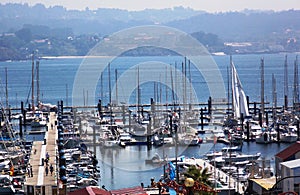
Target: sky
pixel 205 5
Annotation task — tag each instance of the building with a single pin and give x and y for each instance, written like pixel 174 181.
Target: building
pixel 290 175
pixel 261 185
pixel 90 191
pixel 290 153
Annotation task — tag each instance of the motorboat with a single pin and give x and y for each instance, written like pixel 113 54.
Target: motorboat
pixel 111 143
pixel 242 157
pixel 190 140
pixel 265 138
pixel 289 137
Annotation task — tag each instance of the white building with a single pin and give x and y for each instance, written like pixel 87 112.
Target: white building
pixel 290 175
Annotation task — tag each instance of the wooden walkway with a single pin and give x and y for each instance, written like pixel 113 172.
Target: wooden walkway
pixel 233 184
pixel 40 183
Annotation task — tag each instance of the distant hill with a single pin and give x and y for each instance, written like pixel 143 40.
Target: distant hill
pixel 241 26
pixel 231 26
pixel 103 21
pixel 56 31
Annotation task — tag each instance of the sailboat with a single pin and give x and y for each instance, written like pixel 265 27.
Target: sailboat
pixel 239 100
pixel 239 104
pixel 38 118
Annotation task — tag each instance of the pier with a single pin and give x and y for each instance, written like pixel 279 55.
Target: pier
pixel 38 182
pixel 233 184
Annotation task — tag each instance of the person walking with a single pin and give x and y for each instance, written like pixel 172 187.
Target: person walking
pixel 46 161
pixel 51 169
pixel 28 171
pixel 31 172
pixel 47 156
pixel 46 170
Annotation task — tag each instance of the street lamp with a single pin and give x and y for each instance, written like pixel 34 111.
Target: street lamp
pixel 189 184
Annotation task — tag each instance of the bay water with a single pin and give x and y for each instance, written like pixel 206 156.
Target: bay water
pixel 126 167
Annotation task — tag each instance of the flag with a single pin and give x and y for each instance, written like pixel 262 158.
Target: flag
pixel 215 139
pixel 12 170
pixel 172 169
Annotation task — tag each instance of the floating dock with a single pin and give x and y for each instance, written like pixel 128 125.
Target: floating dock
pixel 39 182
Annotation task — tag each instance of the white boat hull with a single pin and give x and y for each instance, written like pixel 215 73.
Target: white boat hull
pixel 288 138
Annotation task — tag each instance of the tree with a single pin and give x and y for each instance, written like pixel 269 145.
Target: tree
pixel 199 175
pixel 24 34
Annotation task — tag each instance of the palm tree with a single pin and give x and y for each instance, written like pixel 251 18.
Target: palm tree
pixel 199 175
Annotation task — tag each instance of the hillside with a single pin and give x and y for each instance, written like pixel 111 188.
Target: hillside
pixel 57 31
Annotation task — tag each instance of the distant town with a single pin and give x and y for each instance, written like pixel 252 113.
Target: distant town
pixel 55 31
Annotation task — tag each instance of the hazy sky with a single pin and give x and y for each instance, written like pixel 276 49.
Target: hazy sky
pixel 206 5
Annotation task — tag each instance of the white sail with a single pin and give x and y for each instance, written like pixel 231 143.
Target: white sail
pixel 239 99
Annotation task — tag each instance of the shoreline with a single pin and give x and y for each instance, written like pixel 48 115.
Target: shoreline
pixel 91 57
pixel 71 57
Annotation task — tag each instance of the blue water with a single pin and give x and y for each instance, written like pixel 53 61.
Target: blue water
pixel 57 78
pixel 117 168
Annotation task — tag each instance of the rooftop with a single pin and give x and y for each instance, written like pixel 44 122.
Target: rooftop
pixel 289 151
pixel 90 191
pixel 266 183
pixel 292 163
pixel 132 191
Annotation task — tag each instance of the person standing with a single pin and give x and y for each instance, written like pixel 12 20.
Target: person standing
pixel 28 171
pixel 153 183
pixel 159 185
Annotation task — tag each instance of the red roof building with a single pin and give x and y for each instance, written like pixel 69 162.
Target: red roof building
pixel 290 153
pixel 98 191
pixel 132 191
pixel 90 191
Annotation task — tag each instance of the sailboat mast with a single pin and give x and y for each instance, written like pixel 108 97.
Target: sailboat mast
pixel 67 95
pixel 166 88
pixel 101 84
pixel 274 92
pixel 185 76
pixel 228 90
pixel 109 84
pixel 37 82
pixel 116 81
pixel 286 92
pixel 109 88
pixel 83 94
pixel 232 87
pixel 296 83
pixel 32 82
pixel 190 80
pixel 138 93
pixel 183 91
pixel 172 84
pixel 175 84
pixel 154 91
pixel 6 88
pixel 262 93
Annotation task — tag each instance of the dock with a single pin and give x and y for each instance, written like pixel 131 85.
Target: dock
pixel 233 184
pixel 37 182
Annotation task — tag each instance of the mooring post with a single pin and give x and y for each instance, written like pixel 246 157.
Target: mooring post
pixel 20 127
pixel 201 118
pixel 248 131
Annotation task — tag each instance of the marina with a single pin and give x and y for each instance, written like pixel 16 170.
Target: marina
pixel 101 144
